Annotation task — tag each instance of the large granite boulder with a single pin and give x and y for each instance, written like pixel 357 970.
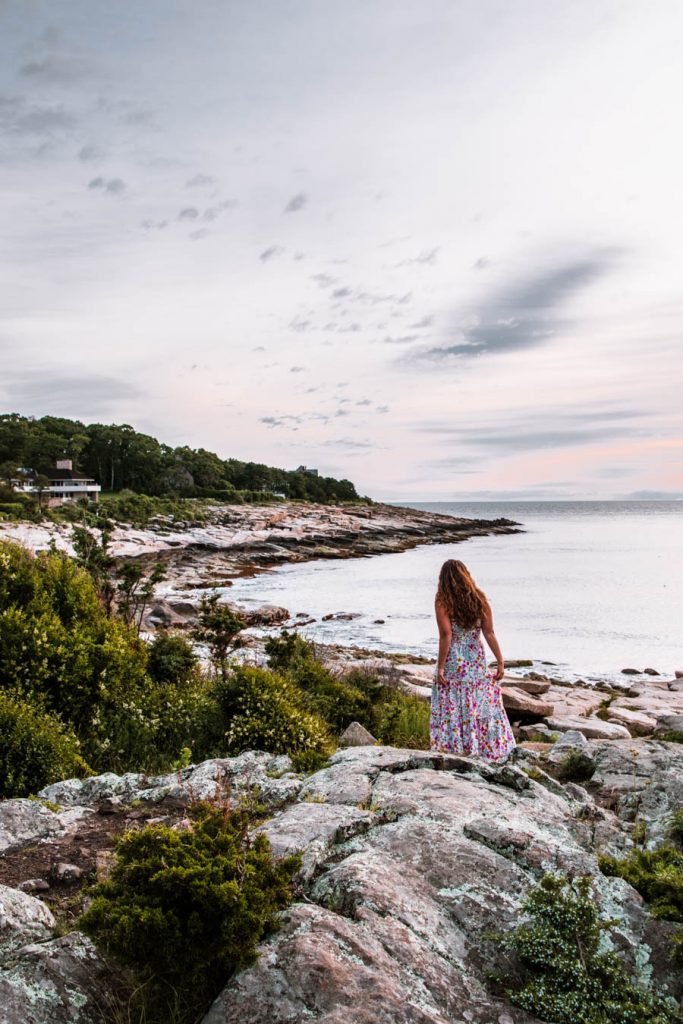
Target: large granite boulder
pixel 520 704
pixel 641 779
pixel 271 773
pixel 413 863
pixel 592 728
pixel 54 982
pixel 23 919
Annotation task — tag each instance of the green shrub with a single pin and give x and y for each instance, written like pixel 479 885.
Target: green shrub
pixel 658 877
pixel 170 658
pixel 338 701
pixel 183 910
pixel 61 652
pixel 266 711
pixel 563 976
pixel 676 825
pixel 288 649
pixel 575 767
pixel 35 749
pixel 676 736
pixel 335 700
pixel 402 720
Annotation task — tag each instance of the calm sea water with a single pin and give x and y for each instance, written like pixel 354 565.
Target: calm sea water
pixel 591 586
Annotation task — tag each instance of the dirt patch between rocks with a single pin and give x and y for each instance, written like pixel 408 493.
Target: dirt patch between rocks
pixel 88 848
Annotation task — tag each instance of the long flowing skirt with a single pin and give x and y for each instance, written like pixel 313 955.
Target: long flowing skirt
pixel 467 715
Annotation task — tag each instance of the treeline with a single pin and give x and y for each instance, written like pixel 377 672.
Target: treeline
pixel 121 458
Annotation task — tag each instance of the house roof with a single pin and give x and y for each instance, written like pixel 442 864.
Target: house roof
pixel 67 474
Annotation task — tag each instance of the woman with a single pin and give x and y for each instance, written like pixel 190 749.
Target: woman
pixel 467 715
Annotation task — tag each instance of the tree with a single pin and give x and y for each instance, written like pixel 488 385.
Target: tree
pixel 41 484
pixel 135 590
pixel 91 552
pixel 219 629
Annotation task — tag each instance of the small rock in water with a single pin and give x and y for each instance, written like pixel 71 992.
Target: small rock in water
pixel 631 672
pixel 650 672
pixel 356 735
pixel 378 622
pixel 678 674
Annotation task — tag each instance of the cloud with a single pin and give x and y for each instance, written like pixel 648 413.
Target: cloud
pixel 199 180
pixel 268 254
pixel 425 321
pixel 56 68
pixel 114 186
pixel 188 213
pixel 405 339
pixel 297 369
pixel 18 117
pixel 547 429
pixel 291 421
pixel 341 293
pixel 211 212
pixel 347 442
pixel 655 495
pixel 324 280
pixel 296 203
pixel 154 225
pixel 427 256
pixel 87 153
pixel 525 315
pixel 482 263
pixel 299 325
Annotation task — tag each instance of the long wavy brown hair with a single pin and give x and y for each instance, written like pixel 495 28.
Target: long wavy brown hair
pixel 460 596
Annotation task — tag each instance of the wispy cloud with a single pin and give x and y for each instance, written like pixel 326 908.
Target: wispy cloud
pixel 114 186
pixel 427 256
pixel 56 68
pixel 524 315
pixel 199 180
pixel 271 252
pixel 296 203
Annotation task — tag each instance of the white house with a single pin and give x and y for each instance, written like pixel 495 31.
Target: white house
pixel 66 485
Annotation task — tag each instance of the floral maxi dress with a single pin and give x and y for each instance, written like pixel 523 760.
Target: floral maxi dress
pixel 467 715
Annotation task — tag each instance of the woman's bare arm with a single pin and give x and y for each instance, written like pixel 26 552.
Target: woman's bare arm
pixel 445 632
pixel 491 639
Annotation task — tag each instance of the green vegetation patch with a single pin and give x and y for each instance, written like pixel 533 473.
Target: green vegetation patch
pixel 182 910
pixel 658 877
pixel 562 974
pixel 35 749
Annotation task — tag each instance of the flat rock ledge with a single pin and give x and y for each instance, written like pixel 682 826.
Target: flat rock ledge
pixel 412 860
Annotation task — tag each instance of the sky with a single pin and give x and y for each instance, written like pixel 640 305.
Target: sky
pixel 433 247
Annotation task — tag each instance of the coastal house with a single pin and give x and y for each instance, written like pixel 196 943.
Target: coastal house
pixel 306 470
pixel 64 485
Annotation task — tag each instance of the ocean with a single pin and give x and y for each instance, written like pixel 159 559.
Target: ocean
pixel 590 586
